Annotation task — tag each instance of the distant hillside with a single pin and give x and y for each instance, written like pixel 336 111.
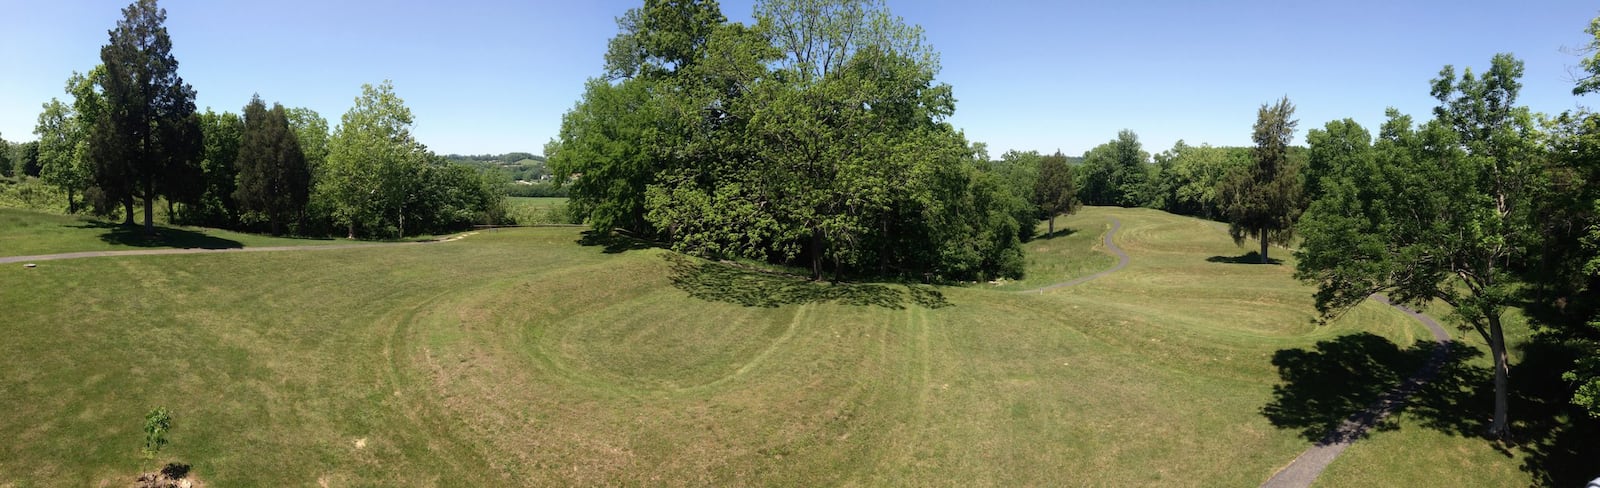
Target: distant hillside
pixel 528 174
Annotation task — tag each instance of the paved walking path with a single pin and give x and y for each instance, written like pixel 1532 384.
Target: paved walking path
pixel 1305 469
pixel 1111 245
pixel 157 252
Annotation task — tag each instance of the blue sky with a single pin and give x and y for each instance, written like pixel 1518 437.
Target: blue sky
pixel 492 76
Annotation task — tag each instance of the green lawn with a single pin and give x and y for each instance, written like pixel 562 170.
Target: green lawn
pixel 520 357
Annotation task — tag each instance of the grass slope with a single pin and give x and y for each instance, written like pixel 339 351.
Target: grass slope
pixel 518 357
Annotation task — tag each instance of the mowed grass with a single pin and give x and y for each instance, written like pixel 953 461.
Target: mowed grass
pixel 31 232
pixel 519 357
pixel 536 210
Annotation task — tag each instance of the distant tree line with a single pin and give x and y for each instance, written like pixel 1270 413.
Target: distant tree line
pixel 130 136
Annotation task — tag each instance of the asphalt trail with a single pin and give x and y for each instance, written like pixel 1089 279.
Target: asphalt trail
pixel 1309 465
pixel 1111 245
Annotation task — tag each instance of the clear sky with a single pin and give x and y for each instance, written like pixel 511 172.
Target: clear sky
pixel 493 76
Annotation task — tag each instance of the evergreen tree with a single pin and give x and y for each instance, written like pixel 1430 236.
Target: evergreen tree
pixel 1263 200
pixel 1054 192
pixel 273 182
pixel 146 144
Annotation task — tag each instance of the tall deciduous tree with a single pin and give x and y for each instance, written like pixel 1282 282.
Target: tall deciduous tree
pixel 1566 278
pixel 1264 200
pixel 147 140
pixel 58 155
pixel 373 162
pixel 221 132
pixel 274 182
pixel 1054 192
pixel 1443 213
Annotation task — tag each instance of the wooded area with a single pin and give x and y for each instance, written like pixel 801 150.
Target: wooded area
pixel 130 135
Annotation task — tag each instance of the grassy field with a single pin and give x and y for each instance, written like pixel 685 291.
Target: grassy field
pixel 537 210
pixel 519 357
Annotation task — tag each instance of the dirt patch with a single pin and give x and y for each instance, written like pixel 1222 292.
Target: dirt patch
pixel 173 475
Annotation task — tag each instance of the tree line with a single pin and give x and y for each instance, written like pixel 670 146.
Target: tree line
pixel 129 136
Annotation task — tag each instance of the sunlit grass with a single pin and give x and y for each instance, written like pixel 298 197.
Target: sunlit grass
pixel 520 357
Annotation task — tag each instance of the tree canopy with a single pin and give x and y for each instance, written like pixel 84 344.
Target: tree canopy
pixel 820 142
pixel 1441 211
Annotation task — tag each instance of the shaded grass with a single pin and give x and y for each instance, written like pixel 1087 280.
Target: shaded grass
pixel 730 283
pixel 27 232
pixel 517 357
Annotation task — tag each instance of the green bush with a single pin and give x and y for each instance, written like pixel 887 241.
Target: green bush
pixel 156 425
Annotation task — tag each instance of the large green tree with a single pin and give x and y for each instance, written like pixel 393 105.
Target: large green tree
pixel 1334 150
pixel 1054 191
pixel 147 141
pixel 63 137
pixel 1018 172
pixel 274 182
pixel 1442 213
pixel 816 137
pixel 1116 173
pixel 373 162
pixel 1263 200
pixel 217 207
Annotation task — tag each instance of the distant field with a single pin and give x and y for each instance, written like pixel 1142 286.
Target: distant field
pixel 520 357
pixel 537 210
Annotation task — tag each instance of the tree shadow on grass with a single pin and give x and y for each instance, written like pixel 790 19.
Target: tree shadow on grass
pixel 1251 257
pixel 614 243
pixel 722 282
pixel 1338 379
pixel 134 236
pixel 1062 232
pixel 1341 378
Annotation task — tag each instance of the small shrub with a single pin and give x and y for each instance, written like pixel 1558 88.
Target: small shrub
pixel 156 425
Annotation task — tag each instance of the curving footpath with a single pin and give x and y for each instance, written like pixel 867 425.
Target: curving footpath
pixel 1305 468
pixel 1122 262
pixel 158 252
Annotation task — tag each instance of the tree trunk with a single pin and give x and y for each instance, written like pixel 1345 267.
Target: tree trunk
pixel 816 254
pixel 72 206
pixel 1052 234
pixel 1502 371
pixel 127 211
pixel 1264 259
pixel 149 216
pixel 352 234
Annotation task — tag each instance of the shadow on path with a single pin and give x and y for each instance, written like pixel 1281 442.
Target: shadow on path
pixel 1344 378
pixel 1341 389
pixel 728 283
